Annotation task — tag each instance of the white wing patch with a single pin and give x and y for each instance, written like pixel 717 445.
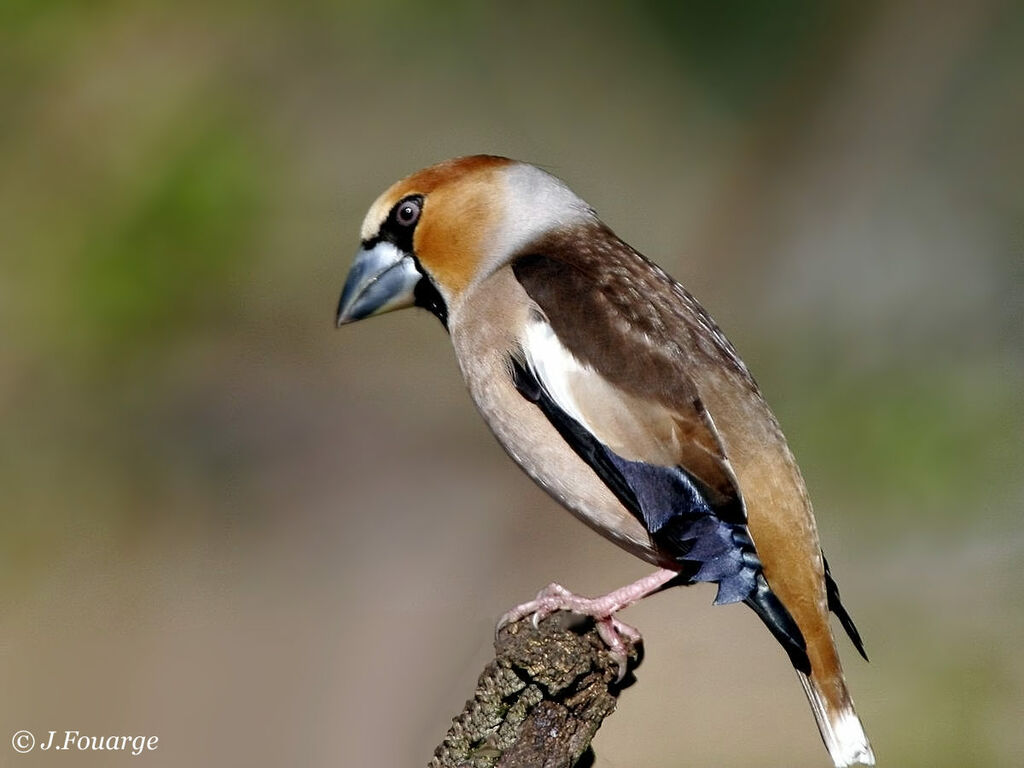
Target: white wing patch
pixel 555 367
pixel 635 429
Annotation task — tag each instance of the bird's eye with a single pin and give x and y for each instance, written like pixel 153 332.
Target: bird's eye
pixel 408 212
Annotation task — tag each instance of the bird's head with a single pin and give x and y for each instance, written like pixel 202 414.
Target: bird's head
pixel 433 234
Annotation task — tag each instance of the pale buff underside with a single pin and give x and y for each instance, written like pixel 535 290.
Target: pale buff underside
pixel 485 326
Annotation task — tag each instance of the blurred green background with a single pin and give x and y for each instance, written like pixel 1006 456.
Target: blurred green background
pixel 269 542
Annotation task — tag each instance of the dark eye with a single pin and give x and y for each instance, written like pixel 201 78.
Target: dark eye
pixel 408 212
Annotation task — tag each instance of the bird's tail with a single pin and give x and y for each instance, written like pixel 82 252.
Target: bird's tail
pixel 837 720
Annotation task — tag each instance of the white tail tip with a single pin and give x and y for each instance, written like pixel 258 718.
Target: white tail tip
pixel 841 731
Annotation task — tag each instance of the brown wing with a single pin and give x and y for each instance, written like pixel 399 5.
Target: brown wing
pixel 603 360
pixel 624 318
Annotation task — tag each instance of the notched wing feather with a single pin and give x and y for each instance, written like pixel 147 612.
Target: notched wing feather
pixel 673 507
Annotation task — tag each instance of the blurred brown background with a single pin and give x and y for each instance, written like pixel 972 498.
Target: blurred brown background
pixel 272 543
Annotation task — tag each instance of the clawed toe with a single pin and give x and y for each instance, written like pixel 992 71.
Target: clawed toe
pixel 617 635
pixel 620 639
pixel 554 597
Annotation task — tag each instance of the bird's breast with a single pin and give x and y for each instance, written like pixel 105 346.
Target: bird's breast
pixel 486 327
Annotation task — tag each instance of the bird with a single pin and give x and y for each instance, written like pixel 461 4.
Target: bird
pixel 607 382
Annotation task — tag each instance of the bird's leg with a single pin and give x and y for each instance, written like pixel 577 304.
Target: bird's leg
pixel 618 635
pixel 555 597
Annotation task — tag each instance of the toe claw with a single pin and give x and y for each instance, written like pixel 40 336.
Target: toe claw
pixel 622 662
pixel 620 638
pixel 510 617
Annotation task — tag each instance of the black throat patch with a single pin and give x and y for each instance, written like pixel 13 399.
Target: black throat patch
pixel 428 297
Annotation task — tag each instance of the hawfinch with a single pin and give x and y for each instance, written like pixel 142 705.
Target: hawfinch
pixel 606 381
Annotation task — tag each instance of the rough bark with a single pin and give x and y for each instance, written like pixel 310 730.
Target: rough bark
pixel 539 703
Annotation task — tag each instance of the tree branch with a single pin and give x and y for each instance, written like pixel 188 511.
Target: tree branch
pixel 540 701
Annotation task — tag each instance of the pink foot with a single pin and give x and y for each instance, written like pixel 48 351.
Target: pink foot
pixel 617 635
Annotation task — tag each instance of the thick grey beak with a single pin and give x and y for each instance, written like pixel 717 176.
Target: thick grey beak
pixel 382 279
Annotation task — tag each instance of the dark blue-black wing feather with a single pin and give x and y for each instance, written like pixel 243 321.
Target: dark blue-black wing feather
pixel 683 525
pixel 836 606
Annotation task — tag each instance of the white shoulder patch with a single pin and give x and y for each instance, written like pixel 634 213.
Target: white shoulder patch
pixel 555 367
